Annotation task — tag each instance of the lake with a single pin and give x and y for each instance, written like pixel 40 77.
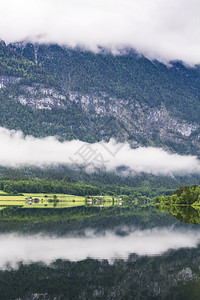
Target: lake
pixel 153 255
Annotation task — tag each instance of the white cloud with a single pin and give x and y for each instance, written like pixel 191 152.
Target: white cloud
pixel 165 30
pixel 40 248
pixel 17 150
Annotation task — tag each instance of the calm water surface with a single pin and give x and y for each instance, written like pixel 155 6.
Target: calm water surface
pixel 129 259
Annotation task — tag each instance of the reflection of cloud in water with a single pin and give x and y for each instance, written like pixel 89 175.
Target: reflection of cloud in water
pixel 35 248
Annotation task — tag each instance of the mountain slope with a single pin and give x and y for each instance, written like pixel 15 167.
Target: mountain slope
pixel 76 94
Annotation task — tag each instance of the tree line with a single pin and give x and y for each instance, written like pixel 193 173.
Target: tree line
pixel 186 195
pixel 46 186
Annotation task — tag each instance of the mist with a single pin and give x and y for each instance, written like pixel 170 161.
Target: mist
pixel 46 249
pixel 162 30
pixel 18 150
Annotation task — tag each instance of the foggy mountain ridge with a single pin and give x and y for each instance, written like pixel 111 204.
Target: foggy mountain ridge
pixel 76 94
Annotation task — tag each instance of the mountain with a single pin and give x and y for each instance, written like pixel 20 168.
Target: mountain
pixel 77 94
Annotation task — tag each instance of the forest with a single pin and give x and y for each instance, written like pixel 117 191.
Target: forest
pixel 126 77
pixel 79 188
pixel 187 195
pixel 44 186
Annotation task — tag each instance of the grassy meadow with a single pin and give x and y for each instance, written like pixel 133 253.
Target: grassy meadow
pixel 44 200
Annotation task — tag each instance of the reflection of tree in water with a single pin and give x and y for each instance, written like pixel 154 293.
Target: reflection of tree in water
pixel 80 218
pixel 186 214
pixel 174 275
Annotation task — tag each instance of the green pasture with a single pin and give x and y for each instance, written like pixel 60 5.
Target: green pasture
pixel 64 200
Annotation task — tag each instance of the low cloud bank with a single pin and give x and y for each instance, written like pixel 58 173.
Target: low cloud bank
pixel 163 30
pixel 46 249
pixel 17 150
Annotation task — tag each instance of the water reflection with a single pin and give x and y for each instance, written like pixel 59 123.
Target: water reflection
pixel 174 275
pixel 36 248
pixel 119 261
pixel 186 214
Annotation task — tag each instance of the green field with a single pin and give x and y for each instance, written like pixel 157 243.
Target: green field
pixel 64 200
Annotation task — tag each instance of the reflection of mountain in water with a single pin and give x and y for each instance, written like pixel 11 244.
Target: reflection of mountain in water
pixel 172 276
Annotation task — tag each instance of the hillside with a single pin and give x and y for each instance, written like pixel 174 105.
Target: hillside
pixel 76 94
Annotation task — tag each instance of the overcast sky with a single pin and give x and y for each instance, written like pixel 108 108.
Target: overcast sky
pixel 165 30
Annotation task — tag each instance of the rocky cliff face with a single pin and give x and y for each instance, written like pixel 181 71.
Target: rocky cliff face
pixel 7 80
pixel 81 95
pixel 124 119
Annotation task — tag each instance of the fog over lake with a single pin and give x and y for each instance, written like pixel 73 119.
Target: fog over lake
pixel 49 151
pixel 43 248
